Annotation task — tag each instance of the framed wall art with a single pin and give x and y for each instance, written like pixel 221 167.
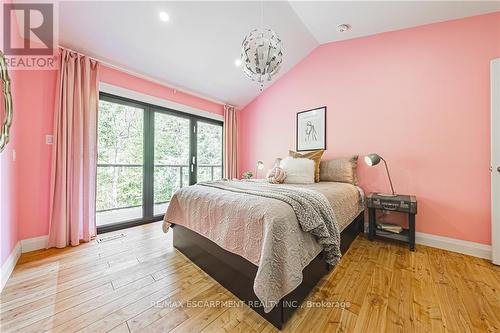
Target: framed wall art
pixel 311 129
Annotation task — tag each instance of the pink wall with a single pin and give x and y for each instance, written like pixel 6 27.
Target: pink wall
pixel 124 80
pixel 8 197
pixel 9 223
pixel 26 182
pixel 419 97
pixel 34 117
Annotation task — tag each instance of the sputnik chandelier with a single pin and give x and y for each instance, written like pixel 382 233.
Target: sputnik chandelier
pixel 261 54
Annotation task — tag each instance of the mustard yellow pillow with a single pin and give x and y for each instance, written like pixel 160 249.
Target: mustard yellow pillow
pixel 314 155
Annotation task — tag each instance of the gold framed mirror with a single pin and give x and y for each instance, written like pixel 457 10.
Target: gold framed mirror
pixel 6 112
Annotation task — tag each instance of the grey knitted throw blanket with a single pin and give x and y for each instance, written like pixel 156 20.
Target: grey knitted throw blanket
pixel 314 213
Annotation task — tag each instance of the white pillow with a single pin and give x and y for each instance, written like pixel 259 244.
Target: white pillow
pixel 298 170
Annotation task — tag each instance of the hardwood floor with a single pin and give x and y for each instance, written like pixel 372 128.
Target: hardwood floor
pixel 137 283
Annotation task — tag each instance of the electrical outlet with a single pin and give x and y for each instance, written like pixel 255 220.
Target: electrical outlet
pixel 13 155
pixel 49 139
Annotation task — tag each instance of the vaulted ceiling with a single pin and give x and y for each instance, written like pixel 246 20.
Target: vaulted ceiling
pixel 196 48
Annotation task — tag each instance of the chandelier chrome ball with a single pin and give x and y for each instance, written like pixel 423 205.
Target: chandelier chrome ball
pixel 261 55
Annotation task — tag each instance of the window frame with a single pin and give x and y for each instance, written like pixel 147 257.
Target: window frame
pixel 148 154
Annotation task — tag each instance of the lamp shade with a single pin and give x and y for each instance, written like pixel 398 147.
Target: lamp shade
pixel 372 159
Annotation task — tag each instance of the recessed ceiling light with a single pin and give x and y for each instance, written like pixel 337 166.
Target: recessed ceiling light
pixel 164 16
pixel 237 62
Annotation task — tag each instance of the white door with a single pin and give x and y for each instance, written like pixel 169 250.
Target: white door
pixel 495 160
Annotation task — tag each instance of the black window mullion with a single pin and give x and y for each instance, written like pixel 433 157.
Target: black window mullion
pixel 148 192
pixel 193 163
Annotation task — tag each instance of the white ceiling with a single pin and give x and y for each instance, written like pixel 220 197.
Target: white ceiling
pixel 196 49
pixel 372 17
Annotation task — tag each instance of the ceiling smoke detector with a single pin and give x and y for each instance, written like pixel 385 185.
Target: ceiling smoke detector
pixel 343 27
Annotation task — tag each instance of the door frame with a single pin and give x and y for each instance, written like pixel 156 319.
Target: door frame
pixel 495 161
pixel 148 155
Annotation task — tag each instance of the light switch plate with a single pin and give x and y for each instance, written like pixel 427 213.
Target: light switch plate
pixel 49 139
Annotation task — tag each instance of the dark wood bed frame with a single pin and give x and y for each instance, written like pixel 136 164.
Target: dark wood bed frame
pixel 237 274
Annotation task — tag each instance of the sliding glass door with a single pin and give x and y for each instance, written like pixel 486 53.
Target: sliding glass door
pixel 209 151
pixel 120 162
pixel 171 157
pixel 145 154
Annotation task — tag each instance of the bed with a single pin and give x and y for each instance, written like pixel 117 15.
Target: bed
pixel 265 242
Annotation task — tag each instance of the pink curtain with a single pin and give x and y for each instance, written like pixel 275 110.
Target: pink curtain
pixel 230 142
pixel 74 153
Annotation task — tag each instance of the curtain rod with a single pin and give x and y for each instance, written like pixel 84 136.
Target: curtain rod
pixel 145 77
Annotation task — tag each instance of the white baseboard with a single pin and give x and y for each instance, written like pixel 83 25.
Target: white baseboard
pixel 9 264
pixel 33 244
pixel 454 245
pixel 23 246
pixel 451 244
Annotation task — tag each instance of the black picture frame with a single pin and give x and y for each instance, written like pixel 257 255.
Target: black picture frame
pixel 299 146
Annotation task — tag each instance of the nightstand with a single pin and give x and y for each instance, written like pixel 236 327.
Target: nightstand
pixel 399 203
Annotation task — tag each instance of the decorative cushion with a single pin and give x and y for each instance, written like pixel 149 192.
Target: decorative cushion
pixel 298 170
pixel 341 170
pixel 276 175
pixel 314 155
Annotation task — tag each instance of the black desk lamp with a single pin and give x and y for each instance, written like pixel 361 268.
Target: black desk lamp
pixel 374 159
